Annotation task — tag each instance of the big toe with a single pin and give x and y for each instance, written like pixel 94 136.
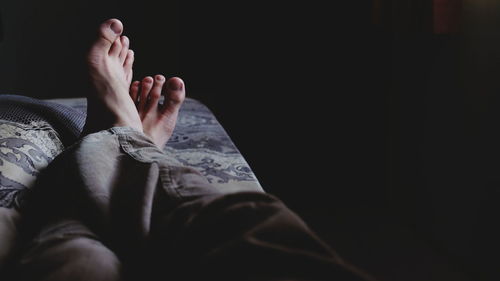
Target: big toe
pixel 174 97
pixel 109 31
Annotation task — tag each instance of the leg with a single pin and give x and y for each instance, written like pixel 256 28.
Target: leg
pixel 241 236
pixel 108 180
pixel 169 220
pixel 119 185
pixel 208 234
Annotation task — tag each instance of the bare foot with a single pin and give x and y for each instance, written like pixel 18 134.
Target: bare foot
pixel 110 69
pixel 158 120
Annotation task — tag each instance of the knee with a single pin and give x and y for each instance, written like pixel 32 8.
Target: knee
pixel 93 259
pixel 74 259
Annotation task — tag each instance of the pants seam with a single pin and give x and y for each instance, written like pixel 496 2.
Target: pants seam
pixel 165 172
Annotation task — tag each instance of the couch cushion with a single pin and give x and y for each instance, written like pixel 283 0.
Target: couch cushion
pixel 32 134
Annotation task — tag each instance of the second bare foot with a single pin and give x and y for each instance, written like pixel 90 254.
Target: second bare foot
pixel 158 120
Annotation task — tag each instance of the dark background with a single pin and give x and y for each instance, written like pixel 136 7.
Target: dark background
pixel 381 134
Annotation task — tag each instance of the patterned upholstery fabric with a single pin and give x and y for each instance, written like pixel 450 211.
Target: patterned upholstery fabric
pixel 25 149
pixel 33 132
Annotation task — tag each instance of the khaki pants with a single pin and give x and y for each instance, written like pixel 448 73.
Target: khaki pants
pixel 113 207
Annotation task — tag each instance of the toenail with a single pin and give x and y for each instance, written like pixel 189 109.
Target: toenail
pixel 160 78
pixel 115 27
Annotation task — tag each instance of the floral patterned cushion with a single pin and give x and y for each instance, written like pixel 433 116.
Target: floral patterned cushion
pixel 32 134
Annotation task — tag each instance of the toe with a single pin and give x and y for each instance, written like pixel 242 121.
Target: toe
pixel 109 31
pixel 116 48
pixel 155 94
pixel 146 85
pixel 129 60
pixel 124 51
pixel 174 97
pixel 127 65
pixel 134 91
